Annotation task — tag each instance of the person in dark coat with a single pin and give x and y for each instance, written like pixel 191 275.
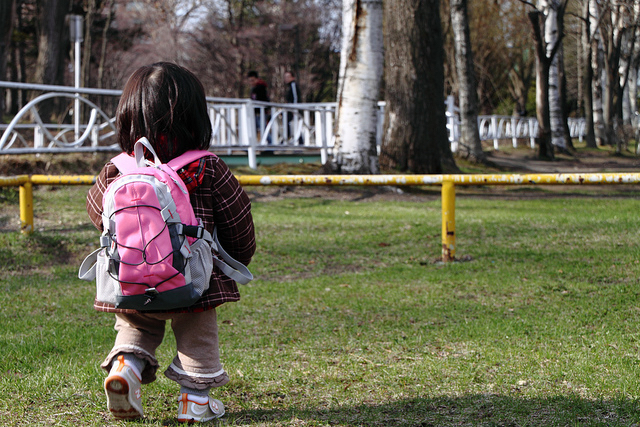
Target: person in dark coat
pixel 292 96
pixel 259 92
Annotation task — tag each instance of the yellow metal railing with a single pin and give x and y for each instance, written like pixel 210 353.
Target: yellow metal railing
pixel 26 183
pixel 448 183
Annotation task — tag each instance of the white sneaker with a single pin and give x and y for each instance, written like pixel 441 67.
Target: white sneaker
pixel 193 408
pixel 124 396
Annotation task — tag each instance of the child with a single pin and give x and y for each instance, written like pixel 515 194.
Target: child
pixel 166 103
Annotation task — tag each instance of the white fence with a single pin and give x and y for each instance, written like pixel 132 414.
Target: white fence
pixel 239 125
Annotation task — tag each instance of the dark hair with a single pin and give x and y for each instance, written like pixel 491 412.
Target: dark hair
pixel 166 103
pixel 252 74
pixel 293 74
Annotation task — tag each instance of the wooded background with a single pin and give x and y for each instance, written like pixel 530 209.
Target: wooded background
pixel 221 40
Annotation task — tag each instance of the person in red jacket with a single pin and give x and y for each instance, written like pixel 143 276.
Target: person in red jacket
pixel 166 103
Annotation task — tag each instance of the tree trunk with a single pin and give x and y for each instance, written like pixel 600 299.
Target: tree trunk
pixel 613 46
pixel 361 63
pixel 634 64
pixel 7 9
pixel 587 82
pixel 468 96
pixel 552 38
pixel 415 134
pixel 568 144
pixel 628 77
pixel 597 66
pixel 85 75
pixel 633 101
pixel 18 64
pixel 543 62
pixel 103 46
pixel 52 39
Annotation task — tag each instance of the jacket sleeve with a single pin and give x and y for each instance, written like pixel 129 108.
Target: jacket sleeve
pixel 220 201
pixel 94 198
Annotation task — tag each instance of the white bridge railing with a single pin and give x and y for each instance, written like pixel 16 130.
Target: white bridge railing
pixel 239 125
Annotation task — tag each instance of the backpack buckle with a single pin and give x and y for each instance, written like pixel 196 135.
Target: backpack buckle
pixel 196 231
pixel 151 292
pixel 105 241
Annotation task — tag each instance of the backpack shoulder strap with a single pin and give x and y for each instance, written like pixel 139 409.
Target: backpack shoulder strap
pixel 188 157
pixel 124 162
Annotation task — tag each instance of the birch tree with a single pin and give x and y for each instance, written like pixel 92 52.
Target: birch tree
pixel 615 20
pixel 553 15
pixel 467 90
pixel 634 68
pixel 612 44
pixel 361 64
pixel 628 68
pixel 415 134
pixel 544 58
pixel 597 65
pixel 587 35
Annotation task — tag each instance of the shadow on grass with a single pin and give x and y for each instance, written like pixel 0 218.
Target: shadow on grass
pixel 38 250
pixel 474 410
pixel 7 228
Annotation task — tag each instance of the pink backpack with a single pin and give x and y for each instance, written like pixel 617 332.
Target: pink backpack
pixel 154 254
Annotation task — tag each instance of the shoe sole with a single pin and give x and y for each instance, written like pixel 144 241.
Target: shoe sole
pixel 118 399
pixel 204 420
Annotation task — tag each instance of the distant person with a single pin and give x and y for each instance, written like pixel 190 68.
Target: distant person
pixel 292 96
pixel 258 87
pixel 259 93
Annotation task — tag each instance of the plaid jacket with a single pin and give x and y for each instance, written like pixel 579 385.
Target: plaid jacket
pixel 218 199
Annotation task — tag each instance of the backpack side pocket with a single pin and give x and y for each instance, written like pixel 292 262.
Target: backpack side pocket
pixel 107 288
pixel 201 265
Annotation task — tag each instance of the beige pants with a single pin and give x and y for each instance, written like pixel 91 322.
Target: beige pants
pixel 197 362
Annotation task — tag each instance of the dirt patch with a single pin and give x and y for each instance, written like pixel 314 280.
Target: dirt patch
pixel 583 161
pixel 53 164
pixel 521 160
pixel 507 160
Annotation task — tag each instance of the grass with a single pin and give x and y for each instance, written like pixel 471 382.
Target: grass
pixel 351 322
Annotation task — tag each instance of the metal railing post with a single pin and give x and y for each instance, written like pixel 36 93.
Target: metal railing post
pixel 38 137
pixel 533 127
pixel 26 207
pixel 248 132
pixel 448 221
pixel 321 130
pixel 494 132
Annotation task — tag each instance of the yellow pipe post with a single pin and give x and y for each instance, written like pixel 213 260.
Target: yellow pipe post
pixel 26 207
pixel 448 221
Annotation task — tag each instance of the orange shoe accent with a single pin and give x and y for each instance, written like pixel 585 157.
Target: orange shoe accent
pixel 121 364
pixel 185 399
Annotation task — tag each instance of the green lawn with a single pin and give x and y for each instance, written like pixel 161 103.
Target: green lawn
pixel 351 321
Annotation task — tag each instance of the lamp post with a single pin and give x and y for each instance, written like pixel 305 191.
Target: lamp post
pixel 75 27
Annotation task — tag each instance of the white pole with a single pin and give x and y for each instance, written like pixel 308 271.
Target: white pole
pixel 76 107
pixel 75 27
